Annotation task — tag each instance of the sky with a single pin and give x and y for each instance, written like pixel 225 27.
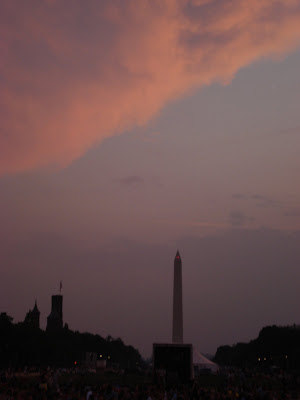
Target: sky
pixel 132 129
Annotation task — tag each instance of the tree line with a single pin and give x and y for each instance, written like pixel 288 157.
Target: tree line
pixel 23 345
pixel 275 347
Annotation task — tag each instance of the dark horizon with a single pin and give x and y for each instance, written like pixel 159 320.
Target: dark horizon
pixel 149 303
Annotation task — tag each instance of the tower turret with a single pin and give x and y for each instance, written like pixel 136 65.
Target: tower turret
pixel 55 319
pixel 33 317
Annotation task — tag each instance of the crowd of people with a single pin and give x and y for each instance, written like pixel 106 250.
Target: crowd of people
pixel 232 384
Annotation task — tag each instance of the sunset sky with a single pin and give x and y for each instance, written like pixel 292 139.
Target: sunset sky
pixel 133 128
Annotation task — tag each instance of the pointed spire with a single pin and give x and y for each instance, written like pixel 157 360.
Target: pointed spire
pixel 177 257
pixel 35 308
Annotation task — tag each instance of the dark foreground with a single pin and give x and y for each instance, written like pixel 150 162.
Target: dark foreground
pixel 83 385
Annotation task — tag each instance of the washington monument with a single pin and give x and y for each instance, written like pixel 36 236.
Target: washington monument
pixel 177 333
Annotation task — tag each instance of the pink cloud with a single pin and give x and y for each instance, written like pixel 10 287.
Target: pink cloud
pixel 72 75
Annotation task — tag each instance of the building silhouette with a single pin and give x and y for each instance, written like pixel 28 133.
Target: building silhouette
pixel 55 319
pixel 173 362
pixel 32 318
pixel 177 331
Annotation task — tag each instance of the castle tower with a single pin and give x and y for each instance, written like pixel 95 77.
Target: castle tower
pixel 33 317
pixel 55 319
pixel 36 316
pixel 177 332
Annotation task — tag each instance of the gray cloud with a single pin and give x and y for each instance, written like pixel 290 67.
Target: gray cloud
pixel 293 212
pixel 266 202
pixel 289 131
pixel 261 200
pixel 239 196
pixel 131 181
pixel 239 219
pixel 257 197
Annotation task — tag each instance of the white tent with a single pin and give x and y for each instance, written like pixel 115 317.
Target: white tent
pixel 200 362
